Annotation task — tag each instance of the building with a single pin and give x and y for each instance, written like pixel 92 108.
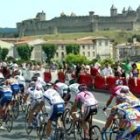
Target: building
pixel 128 19
pixel 91 47
pixel 127 50
pixel 9 46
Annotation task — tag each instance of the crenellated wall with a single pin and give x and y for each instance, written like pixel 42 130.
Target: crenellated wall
pixel 127 20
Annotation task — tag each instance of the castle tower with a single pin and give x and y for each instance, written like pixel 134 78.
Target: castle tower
pixel 41 16
pixel 123 11
pixel 138 12
pixel 93 21
pixel 113 11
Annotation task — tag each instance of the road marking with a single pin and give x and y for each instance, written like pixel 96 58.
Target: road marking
pixel 99 121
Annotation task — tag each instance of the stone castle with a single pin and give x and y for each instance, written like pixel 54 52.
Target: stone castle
pixel 127 20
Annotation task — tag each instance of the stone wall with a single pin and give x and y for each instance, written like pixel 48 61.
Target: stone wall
pixel 71 24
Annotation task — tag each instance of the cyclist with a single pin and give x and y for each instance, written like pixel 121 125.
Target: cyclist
pixel 115 93
pixel 129 120
pixel 36 96
pixel 39 80
pixel 21 81
pixel 63 90
pixel 54 105
pixel 5 98
pixel 14 86
pixel 88 105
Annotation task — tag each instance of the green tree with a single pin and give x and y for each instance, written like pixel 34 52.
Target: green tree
pixel 24 51
pixel 75 59
pixel 49 50
pixel 72 48
pixel 3 53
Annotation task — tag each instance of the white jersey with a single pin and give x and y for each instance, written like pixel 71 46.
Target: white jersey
pixel 74 88
pixel 36 95
pixel 40 81
pixel 61 88
pixel 20 79
pixel 52 97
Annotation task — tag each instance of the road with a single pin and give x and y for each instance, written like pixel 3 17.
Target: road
pixel 19 132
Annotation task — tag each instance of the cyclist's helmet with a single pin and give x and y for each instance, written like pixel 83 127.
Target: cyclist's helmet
pixel 82 87
pixel 37 75
pixel 118 82
pixel 125 89
pixel 47 86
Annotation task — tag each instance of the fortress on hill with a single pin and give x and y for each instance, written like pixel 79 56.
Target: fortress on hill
pixel 129 19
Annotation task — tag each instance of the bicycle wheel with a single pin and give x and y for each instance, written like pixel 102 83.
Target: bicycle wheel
pixel 42 131
pixel 9 121
pixel 113 129
pixel 67 120
pixel 113 134
pixel 15 109
pixel 77 131
pixel 95 133
pixel 104 135
pixel 28 128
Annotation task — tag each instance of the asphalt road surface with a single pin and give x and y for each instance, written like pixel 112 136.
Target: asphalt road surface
pixel 18 132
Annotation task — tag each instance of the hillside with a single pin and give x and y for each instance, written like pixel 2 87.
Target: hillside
pixel 8 30
pixel 118 36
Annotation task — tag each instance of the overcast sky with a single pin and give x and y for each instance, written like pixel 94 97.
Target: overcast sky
pixel 13 11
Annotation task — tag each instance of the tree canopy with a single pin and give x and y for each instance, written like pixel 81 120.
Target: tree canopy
pixel 3 53
pixel 24 51
pixel 72 48
pixel 49 50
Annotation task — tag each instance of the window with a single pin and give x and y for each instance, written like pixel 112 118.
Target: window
pixel 62 54
pixel 62 47
pixel 88 54
pixel 88 47
pixel 83 47
pixel 106 43
pixel 100 43
pixel 93 47
pixel 57 54
pixel 93 54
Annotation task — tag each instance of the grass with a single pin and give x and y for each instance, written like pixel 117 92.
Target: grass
pixel 118 36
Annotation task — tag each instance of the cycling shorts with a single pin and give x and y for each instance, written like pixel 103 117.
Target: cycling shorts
pixel 6 98
pixel 21 86
pixel 90 110
pixel 57 110
pixel 15 88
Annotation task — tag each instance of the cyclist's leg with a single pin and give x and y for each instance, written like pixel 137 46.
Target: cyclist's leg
pixel 58 108
pixel 85 122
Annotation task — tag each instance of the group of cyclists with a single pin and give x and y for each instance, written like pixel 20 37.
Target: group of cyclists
pixel 54 97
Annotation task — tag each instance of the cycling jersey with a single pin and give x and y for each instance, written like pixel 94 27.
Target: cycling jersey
pixel 20 79
pixel 40 81
pixel 86 98
pixel 116 92
pixel 61 88
pixel 52 97
pixel 54 104
pixel 131 116
pixel 36 94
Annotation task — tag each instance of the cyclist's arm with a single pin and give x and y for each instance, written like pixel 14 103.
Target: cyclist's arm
pixel 109 100
pixel 74 109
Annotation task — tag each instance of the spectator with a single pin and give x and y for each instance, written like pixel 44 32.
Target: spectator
pixel 107 71
pixel 127 70
pixel 134 73
pixel 117 70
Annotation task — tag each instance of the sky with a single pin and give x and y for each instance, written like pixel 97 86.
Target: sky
pixel 13 11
